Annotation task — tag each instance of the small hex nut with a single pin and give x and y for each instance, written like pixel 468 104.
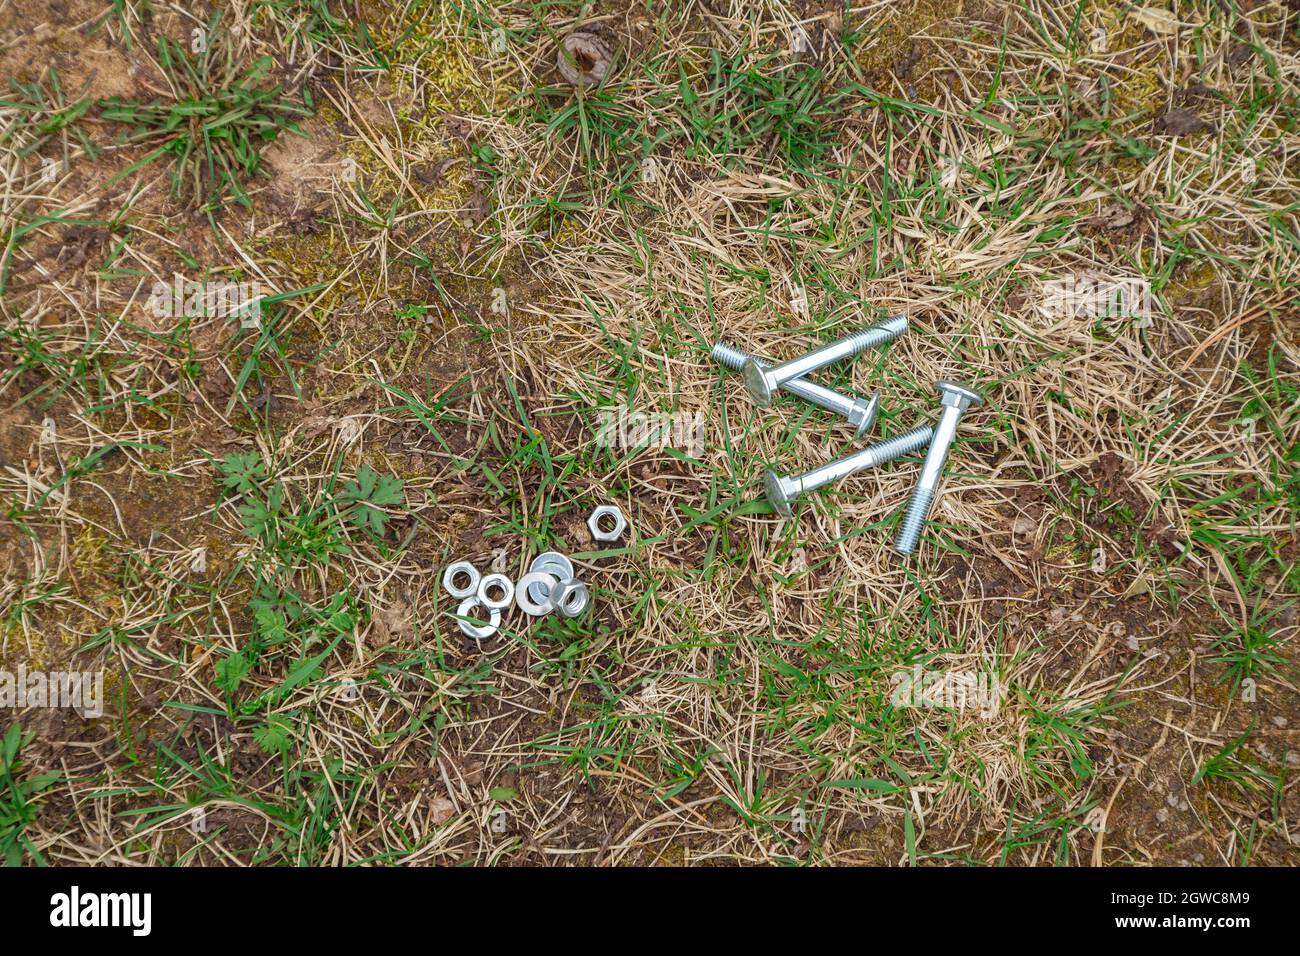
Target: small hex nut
pixel 460 571
pixel 570 598
pixel 496 591
pixel 599 518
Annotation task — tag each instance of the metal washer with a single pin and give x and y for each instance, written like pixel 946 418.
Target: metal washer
pixel 553 563
pixel 481 631
pixel 544 581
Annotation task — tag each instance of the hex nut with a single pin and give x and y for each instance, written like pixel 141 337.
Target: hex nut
pixel 598 520
pixel 466 619
pixel 457 570
pixel 571 598
pixel 496 582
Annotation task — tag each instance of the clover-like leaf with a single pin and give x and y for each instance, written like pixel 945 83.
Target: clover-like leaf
pixel 242 471
pixel 369 493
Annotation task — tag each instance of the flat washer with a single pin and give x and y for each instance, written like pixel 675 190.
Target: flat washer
pixel 553 563
pixel 477 631
pixel 491 582
pixel 544 581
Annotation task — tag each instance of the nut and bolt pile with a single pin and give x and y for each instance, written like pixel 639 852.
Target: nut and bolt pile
pixel 764 378
pixel 550 585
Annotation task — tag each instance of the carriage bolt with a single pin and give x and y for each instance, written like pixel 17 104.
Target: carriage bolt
pixel 784 489
pixel 859 412
pixel 956 399
pixel 762 381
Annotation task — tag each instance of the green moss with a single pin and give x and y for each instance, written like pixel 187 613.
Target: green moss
pixel 890 41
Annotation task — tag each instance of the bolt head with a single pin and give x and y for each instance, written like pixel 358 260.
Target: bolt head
pixel 757 381
pixel 863 415
pixel 781 491
pixel 958 396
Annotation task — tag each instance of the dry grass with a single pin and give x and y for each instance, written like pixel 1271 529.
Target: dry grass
pixel 475 259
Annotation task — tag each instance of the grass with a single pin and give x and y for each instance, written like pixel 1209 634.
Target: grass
pixel 245 527
pixel 1231 764
pixel 20 796
pixel 214 126
pixel 43 109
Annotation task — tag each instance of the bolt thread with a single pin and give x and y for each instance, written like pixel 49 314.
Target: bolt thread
pixel 878 334
pixel 728 357
pixel 901 445
pixel 870 457
pixel 918 509
pixel 733 358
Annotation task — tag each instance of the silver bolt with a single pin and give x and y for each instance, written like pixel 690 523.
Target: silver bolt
pixel 861 413
pixel 784 489
pixel 762 381
pixel 956 399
